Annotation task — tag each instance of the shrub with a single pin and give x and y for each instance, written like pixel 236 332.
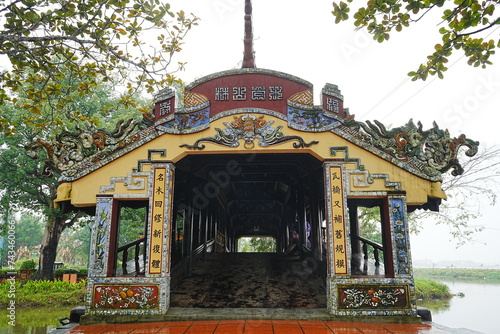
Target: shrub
pixel 28 264
pixel 45 293
pixel 71 270
pixel 431 290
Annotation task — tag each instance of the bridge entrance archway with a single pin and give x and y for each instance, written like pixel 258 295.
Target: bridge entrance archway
pixel 220 198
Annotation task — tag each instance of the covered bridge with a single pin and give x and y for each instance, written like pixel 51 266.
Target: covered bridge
pixel 246 153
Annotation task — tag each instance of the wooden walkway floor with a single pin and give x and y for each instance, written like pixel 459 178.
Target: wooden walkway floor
pixel 256 280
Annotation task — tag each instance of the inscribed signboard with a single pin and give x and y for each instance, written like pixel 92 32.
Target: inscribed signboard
pixel 157 221
pixel 338 218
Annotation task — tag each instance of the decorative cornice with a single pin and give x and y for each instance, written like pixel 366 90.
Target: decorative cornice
pixel 248 71
pixel 164 94
pixel 426 153
pixel 249 128
pixel 333 90
pixel 248 111
pixel 75 154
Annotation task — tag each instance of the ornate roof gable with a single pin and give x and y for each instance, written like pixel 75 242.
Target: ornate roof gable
pixel 427 153
pixel 258 94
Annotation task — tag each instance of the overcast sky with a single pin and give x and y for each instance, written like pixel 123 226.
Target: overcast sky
pixel 304 41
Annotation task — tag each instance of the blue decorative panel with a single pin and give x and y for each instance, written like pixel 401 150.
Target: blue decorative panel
pixel 400 232
pixel 312 120
pixel 188 122
pixel 100 237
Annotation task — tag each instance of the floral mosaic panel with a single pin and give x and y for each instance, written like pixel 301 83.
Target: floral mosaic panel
pixel 401 256
pixel 101 236
pixel 369 297
pixel 125 297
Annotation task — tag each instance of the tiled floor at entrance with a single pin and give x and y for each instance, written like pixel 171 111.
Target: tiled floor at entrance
pixel 255 327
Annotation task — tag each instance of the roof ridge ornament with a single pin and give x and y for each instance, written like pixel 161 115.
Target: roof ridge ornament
pixel 248 53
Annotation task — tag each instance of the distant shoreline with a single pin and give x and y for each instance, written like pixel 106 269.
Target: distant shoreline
pixel 466 264
pixel 458 273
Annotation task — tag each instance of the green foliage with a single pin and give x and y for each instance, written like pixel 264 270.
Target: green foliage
pixel 71 270
pixel 41 293
pixel 20 176
pixel 29 231
pixel 74 246
pixel 463 26
pixel 257 245
pixel 431 290
pixel 370 226
pixel 28 264
pixel 132 224
pixel 89 41
pixel 24 185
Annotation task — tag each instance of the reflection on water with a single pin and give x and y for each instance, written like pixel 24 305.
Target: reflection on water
pixel 436 305
pixel 476 310
pixel 33 320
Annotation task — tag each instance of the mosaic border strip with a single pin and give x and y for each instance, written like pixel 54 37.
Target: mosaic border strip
pixel 133 181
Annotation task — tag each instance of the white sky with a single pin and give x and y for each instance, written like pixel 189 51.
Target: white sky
pixel 304 41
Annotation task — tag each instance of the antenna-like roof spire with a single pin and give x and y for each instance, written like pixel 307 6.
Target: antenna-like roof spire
pixel 248 55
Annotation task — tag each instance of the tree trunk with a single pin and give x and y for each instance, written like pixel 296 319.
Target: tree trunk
pixel 48 249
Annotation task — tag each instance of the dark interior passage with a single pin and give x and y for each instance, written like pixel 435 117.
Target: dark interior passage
pixel 253 280
pixel 221 198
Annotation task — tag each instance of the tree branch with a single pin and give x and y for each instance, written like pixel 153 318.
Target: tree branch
pixel 497 21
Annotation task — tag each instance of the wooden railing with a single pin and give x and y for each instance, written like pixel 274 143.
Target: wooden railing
pixel 378 254
pixel 137 252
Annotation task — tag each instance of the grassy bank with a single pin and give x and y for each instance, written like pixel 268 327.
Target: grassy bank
pixel 43 293
pixel 457 273
pixel 427 289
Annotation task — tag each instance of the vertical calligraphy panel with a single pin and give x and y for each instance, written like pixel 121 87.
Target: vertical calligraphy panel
pixel 338 220
pixel 157 221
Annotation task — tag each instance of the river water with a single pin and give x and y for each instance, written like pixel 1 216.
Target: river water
pixel 33 320
pixel 478 309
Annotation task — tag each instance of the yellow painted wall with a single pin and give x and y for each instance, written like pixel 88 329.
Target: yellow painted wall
pixel 82 192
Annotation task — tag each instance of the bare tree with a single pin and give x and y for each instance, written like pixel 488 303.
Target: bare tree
pixel 469 194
